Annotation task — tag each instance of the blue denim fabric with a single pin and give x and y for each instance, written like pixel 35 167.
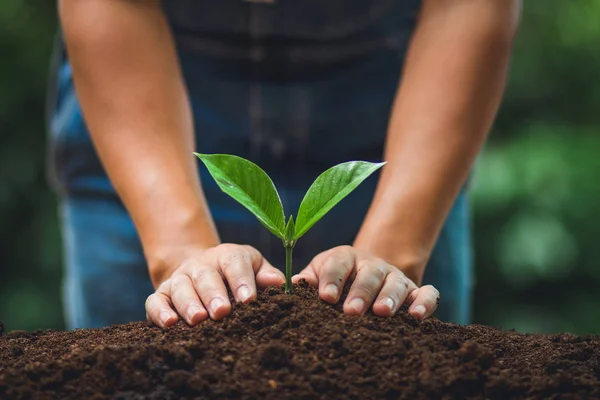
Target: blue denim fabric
pixel 295 92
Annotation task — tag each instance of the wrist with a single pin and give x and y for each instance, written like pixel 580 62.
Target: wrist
pixel 409 258
pixel 169 241
pixel 402 225
pixel 163 262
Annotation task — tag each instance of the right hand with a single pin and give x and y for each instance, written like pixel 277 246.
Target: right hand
pixel 196 289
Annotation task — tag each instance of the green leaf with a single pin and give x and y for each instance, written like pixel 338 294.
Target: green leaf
pixel 289 233
pixel 249 185
pixel 329 189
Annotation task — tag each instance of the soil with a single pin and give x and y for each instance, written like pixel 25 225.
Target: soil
pixel 296 346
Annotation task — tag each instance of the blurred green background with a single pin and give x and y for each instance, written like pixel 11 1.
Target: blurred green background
pixel 536 192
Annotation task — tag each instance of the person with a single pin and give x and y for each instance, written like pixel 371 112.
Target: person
pixel 295 87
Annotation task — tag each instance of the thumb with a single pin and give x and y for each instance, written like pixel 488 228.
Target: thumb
pixel 268 275
pixel 423 301
pixel 309 275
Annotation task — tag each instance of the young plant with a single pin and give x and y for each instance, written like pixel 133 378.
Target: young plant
pixel 251 187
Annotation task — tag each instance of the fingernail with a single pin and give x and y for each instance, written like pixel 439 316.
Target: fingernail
pixel 358 304
pixel 389 303
pixel 164 316
pixel 420 310
pixel 215 304
pixel 244 293
pixel 192 310
pixel 331 289
pixel 278 275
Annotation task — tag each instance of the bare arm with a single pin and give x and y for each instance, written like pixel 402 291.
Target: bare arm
pixel 451 89
pixel 135 105
pixel 136 108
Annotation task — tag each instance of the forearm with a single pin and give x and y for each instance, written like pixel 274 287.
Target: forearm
pixel 135 105
pixel 452 84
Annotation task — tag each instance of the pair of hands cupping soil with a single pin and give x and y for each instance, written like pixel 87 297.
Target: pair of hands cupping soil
pixel 196 289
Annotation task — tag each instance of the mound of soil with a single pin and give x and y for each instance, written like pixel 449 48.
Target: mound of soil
pixel 296 346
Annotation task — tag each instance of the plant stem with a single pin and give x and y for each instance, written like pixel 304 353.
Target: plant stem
pixel 288 268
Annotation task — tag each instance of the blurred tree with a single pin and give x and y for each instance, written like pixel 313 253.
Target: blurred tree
pixel 536 202
pixel 536 192
pixel 29 241
pixel 554 75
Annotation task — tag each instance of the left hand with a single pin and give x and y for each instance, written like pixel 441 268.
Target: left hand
pixel 374 283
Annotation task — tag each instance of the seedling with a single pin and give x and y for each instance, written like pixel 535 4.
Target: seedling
pixel 249 185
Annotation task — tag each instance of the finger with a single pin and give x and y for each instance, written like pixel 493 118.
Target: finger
pixel 394 291
pixel 209 285
pixel 268 275
pixel 309 275
pixel 238 266
pixel 423 301
pixel 369 280
pixel 333 273
pixel 186 300
pixel 159 311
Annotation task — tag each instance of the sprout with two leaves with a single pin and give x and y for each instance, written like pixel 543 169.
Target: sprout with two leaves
pixel 249 185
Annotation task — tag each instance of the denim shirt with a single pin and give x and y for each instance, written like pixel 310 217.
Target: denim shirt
pixel 295 86
pixel 291 22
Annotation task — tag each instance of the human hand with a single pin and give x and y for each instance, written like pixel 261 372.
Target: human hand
pixel 374 283
pixel 196 289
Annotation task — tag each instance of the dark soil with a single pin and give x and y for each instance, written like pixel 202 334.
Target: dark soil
pixel 295 346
